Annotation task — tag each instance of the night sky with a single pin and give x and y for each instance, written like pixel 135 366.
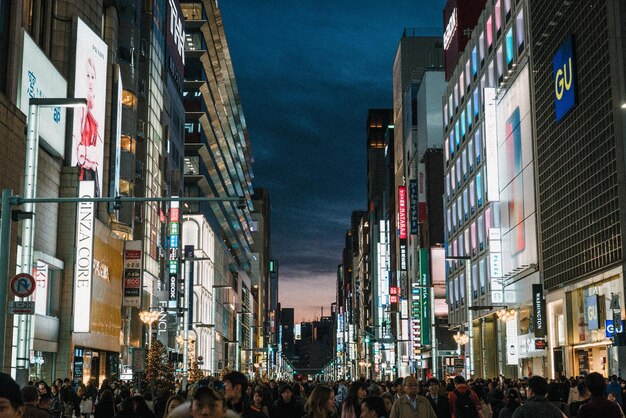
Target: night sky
pixel 307 72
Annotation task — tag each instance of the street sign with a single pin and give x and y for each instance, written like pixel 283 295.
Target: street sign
pixel 22 307
pixel 139 359
pixel 23 285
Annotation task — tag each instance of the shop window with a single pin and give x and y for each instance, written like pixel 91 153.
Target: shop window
pixel 475 279
pixel 489 30
pixel 481 233
pixel 500 63
pixel 462 124
pixel 470 155
pixel 129 99
pixel 478 146
pixel 483 276
pixel 519 31
pixel 466 204
pixel 128 144
pixel 126 188
pixel 510 49
pixel 473 238
pixel 497 12
pixel 481 49
pixel 479 189
pixel 464 164
pixel 192 11
pixel 472 197
pixel 475 61
pixel 476 103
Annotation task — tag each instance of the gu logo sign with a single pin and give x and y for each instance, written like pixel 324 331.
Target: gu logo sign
pixel 176 28
pixel 610 329
pixel 564 79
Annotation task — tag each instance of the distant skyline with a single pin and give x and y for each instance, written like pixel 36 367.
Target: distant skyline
pixel 307 73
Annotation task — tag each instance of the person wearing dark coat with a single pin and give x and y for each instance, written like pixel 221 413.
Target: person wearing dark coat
pixel 439 402
pixel 286 406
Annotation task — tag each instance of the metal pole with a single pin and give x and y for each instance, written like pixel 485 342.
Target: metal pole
pixel 470 315
pixel 5 243
pixel 186 326
pixel 28 226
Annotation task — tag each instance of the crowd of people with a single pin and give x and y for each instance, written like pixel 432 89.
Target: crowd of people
pixel 234 396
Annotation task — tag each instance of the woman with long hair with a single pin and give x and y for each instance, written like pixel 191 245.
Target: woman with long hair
pixel 105 407
pixel 352 405
pixel 321 403
pixel 172 403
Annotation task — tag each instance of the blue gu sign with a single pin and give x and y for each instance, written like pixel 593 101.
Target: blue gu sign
pixel 564 79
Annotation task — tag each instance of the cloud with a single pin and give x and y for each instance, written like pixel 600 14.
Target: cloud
pixel 307 72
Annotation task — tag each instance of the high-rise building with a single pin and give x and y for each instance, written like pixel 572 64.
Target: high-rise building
pixel 579 95
pixel 415 55
pixel 218 165
pixel 489 198
pixel 459 19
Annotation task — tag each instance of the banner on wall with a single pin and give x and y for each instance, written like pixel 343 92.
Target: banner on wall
pixel 90 75
pixel 539 310
pixel 132 274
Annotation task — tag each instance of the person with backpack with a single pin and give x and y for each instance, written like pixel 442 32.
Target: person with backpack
pixel 464 402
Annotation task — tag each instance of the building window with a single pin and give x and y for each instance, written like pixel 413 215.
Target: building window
pixel 129 99
pixel 128 144
pixel 519 31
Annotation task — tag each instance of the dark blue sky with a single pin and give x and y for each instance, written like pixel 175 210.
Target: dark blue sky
pixel 307 72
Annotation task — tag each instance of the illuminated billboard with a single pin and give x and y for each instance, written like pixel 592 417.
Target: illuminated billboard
pixel 83 268
pixel 90 75
pixel 564 76
pixel 402 212
pixel 516 177
pixel 39 79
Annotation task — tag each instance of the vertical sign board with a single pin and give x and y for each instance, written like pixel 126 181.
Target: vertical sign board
pixel 402 227
pixel 425 303
pixel 413 211
pixel 402 212
pixel 40 79
pixel 173 255
pixel 189 274
pixel 83 266
pixel 539 310
pixel 512 350
pixel 41 291
pixel 564 76
pixel 422 215
pixel 591 312
pixel 132 274
pixel 90 75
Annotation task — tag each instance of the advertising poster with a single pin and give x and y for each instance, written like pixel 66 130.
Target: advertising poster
pixel 132 274
pixel 39 79
pixel 90 75
pixel 516 182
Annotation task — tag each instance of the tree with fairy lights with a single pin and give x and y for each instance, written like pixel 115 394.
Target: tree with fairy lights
pixel 195 373
pixel 159 373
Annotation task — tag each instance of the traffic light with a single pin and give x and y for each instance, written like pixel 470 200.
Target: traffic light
pixel 271 348
pixel 367 340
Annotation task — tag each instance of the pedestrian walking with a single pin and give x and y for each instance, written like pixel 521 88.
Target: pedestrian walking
pixel 439 402
pixel 11 403
pixel 321 403
pixel 598 405
pixel 537 405
pixel 412 405
pixel 464 402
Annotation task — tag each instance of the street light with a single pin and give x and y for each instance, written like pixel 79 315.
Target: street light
pixel 24 340
pixel 149 317
pixel 468 304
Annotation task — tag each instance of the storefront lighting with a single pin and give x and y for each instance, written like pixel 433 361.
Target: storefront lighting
pixel 506 314
pixel 461 339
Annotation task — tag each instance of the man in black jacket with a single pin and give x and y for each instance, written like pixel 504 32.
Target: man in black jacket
pixel 286 406
pixel 437 401
pixel 235 385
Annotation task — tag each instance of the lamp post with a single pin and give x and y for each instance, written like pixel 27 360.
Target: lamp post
pixel 468 304
pixel 28 227
pixel 149 317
